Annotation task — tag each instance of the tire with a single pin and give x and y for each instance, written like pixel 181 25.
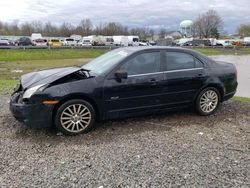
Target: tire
pixel 75 117
pixel 207 101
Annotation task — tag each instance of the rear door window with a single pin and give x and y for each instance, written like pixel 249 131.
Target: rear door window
pixel 181 61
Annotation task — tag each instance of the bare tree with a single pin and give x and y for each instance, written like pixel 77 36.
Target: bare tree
pixel 85 27
pixel 152 33
pixel 162 33
pixel 244 30
pixel 207 23
pixel 50 30
pixel 26 29
pixel 66 29
pixel 37 26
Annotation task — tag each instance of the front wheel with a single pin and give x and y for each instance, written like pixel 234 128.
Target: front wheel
pixel 75 117
pixel 208 101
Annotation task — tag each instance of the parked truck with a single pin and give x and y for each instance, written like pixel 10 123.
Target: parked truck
pixel 121 40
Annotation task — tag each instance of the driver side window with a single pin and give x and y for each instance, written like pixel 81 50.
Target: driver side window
pixel 144 63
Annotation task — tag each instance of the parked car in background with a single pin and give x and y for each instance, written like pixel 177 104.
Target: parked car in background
pixel 133 40
pixel 39 42
pixel 246 41
pixel 84 42
pixel 77 38
pixel 108 40
pixel 237 43
pixel 144 43
pixel 70 42
pixel 55 42
pixel 122 83
pixel 24 41
pixel 12 42
pixel 224 43
pixel 4 42
pixel 197 43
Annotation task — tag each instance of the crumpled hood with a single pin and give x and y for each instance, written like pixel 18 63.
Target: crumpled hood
pixel 46 76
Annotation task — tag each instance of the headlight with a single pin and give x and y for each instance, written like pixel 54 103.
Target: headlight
pixel 29 92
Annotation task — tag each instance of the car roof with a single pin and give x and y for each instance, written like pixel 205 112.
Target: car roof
pixel 141 48
pixel 198 55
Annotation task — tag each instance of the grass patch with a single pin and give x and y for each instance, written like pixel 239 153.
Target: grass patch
pixel 44 54
pixel 13 70
pixel 209 51
pixel 242 99
pixel 6 86
pixel 223 51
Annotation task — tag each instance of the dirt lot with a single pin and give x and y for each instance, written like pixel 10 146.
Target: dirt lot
pixel 168 150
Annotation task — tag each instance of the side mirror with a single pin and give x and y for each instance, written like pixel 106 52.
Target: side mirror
pixel 121 75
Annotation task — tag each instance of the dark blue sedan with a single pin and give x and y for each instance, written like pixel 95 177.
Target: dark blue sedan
pixel 122 83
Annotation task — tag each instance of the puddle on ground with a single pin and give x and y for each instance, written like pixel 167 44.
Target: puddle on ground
pixel 242 63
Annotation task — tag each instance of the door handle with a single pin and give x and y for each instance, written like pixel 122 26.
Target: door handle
pixel 200 75
pixel 153 81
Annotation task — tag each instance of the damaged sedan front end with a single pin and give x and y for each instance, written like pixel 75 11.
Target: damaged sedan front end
pixel 32 104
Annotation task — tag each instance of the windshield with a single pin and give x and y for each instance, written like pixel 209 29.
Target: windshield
pixel 105 62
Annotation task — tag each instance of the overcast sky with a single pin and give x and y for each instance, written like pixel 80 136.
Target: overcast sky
pixel 141 13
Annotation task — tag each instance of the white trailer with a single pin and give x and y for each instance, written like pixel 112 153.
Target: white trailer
pixel 35 36
pixel 121 40
pixel 246 40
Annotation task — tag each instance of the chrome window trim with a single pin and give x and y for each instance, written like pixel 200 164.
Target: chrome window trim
pixel 153 73
pixel 181 70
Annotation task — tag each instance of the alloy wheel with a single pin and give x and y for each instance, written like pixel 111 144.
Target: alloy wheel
pixel 75 118
pixel 209 101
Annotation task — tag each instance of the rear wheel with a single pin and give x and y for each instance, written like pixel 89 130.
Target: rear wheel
pixel 208 101
pixel 75 117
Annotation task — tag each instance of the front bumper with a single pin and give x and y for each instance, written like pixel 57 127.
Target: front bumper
pixel 32 115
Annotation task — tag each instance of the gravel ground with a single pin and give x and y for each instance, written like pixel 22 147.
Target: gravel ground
pixel 177 149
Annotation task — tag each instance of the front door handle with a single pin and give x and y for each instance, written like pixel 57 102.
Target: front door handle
pixel 200 75
pixel 153 81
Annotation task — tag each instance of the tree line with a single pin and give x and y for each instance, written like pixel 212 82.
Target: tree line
pixel 206 25
pixel 84 28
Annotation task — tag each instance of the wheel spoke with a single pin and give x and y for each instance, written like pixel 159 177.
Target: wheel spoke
pixel 83 110
pixel 67 114
pixel 73 127
pixel 66 122
pixel 77 126
pixel 85 114
pixel 79 109
pixel 81 124
pixel 65 118
pixel 71 123
pixel 70 110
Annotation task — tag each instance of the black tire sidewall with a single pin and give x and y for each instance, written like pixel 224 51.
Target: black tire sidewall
pixel 197 103
pixel 71 102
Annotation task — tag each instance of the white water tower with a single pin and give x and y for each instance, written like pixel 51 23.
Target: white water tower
pixel 187 28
